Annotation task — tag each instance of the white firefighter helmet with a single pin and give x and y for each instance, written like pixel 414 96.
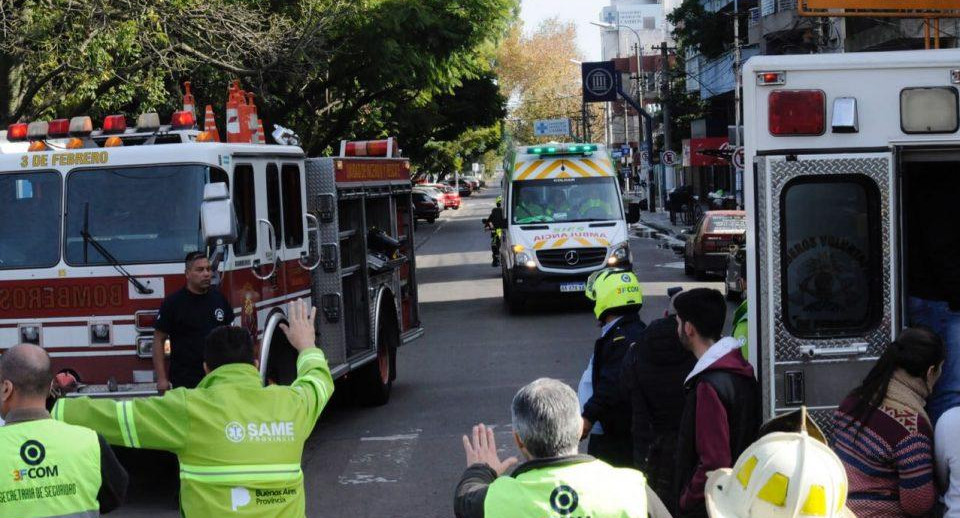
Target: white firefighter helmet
pixel 783 474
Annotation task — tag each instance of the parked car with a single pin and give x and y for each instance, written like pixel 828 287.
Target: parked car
pixel 472 180
pixel 436 194
pixel 463 188
pixel 425 207
pixel 708 244
pixel 452 198
pixel 736 277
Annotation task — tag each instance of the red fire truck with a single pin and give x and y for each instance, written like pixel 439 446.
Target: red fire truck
pixel 95 225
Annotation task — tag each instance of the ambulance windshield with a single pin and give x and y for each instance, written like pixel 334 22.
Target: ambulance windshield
pixel 565 200
pixel 30 219
pixel 137 214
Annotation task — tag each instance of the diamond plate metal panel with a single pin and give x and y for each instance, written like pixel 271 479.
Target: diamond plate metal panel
pixel 786 346
pixel 766 375
pixel 332 336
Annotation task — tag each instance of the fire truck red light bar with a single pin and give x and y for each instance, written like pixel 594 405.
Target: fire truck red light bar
pixel 182 120
pixel 368 148
pixel 114 124
pixel 17 132
pixel 58 128
pixel 797 112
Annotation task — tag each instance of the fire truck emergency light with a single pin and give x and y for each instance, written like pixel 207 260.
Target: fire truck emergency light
pixel 183 120
pixel 37 130
pixel 797 112
pixel 367 148
pixel 17 132
pixel 38 145
pixel 58 128
pixel 81 126
pixel 114 124
pixel 148 122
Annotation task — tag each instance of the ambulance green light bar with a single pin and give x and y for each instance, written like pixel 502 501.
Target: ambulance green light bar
pixel 573 149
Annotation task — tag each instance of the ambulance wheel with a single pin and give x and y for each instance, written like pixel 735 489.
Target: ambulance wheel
pixel 375 380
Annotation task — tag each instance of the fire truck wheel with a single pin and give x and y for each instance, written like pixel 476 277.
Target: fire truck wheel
pixel 375 380
pixel 282 361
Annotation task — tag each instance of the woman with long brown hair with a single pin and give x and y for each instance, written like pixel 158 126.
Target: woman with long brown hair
pixel 882 432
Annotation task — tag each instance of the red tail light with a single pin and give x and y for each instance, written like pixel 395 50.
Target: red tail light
pixel 183 120
pixel 58 128
pixel 114 124
pixel 797 112
pixel 17 132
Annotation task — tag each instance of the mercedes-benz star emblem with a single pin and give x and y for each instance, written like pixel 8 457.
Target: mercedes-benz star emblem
pixel 571 257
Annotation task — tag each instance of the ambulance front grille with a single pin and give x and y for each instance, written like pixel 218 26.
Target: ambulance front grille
pixel 572 258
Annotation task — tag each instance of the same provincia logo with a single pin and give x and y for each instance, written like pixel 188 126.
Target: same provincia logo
pixel 277 431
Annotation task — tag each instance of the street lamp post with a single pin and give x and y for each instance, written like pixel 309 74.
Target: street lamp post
pixel 640 86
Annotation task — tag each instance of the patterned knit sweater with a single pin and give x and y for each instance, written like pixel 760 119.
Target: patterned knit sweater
pixel 889 461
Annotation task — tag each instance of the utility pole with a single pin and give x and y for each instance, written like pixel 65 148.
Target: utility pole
pixel 737 175
pixel 664 92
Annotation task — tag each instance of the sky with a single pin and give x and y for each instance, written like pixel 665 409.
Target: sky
pixel 580 11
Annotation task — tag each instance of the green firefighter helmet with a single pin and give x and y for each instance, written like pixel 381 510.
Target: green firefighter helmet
pixel 613 288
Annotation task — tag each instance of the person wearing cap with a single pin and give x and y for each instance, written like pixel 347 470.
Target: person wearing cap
pixel 781 475
pixel 617 298
pixel 554 481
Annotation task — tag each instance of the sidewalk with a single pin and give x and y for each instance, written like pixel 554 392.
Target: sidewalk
pixel 660 221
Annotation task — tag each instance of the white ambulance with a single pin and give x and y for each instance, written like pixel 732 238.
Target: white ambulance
pixel 847 156
pixel 564 219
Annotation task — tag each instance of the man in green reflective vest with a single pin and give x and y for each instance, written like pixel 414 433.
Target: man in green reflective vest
pixel 51 469
pixel 739 329
pixel 239 443
pixel 593 205
pixel 527 210
pixel 554 481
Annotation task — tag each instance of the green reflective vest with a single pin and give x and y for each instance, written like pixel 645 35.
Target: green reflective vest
pixel 594 203
pixel 528 212
pixel 239 443
pixel 740 329
pixel 579 488
pixel 50 469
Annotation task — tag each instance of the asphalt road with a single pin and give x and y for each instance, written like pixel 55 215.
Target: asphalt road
pixel 404 459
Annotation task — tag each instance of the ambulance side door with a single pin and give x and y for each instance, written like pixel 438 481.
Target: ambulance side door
pixel 826 249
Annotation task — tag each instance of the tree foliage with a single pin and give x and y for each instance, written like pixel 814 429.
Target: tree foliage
pixel 540 76
pixel 329 69
pixel 694 27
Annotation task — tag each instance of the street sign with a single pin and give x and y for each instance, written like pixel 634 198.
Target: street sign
pixel 625 149
pixel 738 158
pixel 668 157
pixel 545 127
pixel 616 154
pixel 599 81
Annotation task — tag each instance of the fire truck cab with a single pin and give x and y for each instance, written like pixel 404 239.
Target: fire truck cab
pixel 95 226
pixel 837 147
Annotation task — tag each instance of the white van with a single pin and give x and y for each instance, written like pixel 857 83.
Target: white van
pixel 564 219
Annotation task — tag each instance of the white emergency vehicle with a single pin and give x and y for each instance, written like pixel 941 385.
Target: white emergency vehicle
pixel 564 219
pixel 836 145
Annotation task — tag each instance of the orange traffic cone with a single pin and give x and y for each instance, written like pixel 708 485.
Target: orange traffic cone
pixel 261 137
pixel 188 102
pixel 210 125
pixel 233 113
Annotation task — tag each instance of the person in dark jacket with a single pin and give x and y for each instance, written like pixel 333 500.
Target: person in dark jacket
pixel 721 411
pixel 652 378
pixel 617 298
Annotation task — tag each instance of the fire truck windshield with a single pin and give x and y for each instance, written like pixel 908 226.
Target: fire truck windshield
pixel 30 219
pixel 139 214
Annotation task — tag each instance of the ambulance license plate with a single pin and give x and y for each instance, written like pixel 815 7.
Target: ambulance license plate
pixel 571 287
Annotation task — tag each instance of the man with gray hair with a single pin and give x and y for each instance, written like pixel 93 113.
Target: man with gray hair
pixel 58 469
pixel 555 480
